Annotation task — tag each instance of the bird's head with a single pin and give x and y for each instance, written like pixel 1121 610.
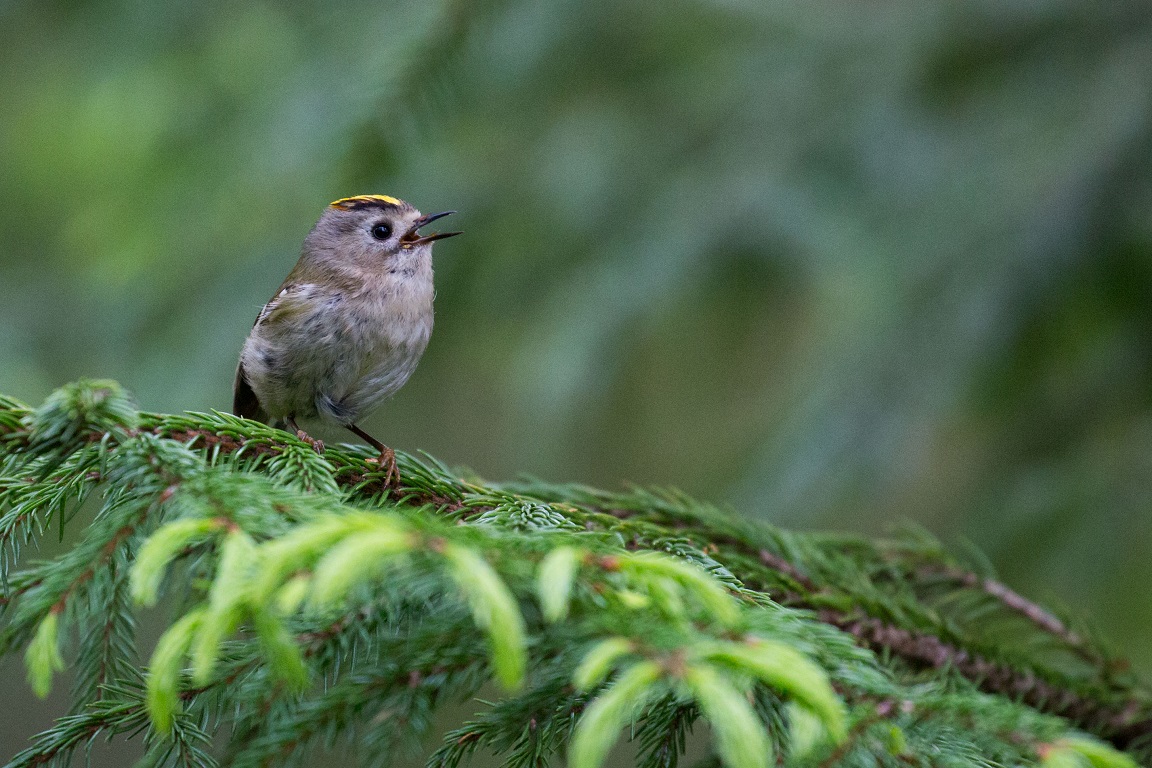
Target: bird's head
pixel 374 233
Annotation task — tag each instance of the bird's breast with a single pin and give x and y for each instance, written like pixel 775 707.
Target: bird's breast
pixel 398 313
pixel 386 333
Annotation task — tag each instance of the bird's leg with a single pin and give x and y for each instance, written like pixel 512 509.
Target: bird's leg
pixel 387 458
pixel 317 445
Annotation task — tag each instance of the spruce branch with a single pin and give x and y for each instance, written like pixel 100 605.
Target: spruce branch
pixel 316 604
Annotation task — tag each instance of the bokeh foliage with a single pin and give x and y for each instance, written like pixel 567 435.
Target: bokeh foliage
pixel 837 264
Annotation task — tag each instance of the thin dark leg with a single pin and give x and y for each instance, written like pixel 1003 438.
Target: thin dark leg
pixel 387 455
pixel 317 445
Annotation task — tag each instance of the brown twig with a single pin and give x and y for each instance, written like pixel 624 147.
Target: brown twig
pixel 777 563
pixel 1120 724
pixel 1012 600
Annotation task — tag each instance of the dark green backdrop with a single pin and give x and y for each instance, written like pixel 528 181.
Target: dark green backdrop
pixel 836 264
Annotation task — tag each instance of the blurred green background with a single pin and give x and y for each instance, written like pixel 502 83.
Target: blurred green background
pixel 834 264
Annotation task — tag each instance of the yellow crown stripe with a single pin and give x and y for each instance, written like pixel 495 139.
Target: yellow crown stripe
pixel 349 202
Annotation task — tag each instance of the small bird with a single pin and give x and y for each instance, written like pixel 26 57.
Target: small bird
pixel 348 325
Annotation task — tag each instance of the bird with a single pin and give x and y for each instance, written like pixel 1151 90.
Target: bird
pixel 347 326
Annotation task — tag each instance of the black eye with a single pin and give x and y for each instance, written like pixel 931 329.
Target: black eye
pixel 381 231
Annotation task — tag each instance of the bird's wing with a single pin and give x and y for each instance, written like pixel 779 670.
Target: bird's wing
pixel 245 403
pixel 292 299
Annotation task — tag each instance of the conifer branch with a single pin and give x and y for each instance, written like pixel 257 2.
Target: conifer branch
pixel 311 598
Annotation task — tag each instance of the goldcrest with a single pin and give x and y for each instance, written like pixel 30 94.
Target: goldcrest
pixel 348 325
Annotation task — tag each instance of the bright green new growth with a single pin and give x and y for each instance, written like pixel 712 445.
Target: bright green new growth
pixel 1079 752
pixel 163 694
pixel 786 670
pixel 740 738
pixel 554 582
pixel 493 609
pixel 612 710
pixel 312 605
pixel 599 661
pixel 364 553
pixel 160 550
pixel 43 655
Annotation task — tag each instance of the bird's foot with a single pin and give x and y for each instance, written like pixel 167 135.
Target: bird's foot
pixel 387 462
pixel 317 445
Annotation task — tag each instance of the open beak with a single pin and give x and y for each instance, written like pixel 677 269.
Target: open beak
pixel 413 237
